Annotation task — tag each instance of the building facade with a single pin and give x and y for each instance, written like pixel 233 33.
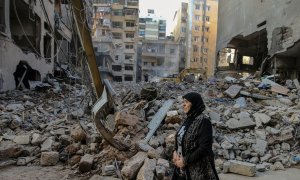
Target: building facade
pixel 115 36
pixel 33 35
pixel 180 32
pixel 152 27
pixel 259 35
pixel 201 35
pixel 160 58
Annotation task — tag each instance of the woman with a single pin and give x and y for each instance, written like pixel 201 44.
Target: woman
pixel 193 156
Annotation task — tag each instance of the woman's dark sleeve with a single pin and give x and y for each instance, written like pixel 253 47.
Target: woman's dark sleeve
pixel 204 142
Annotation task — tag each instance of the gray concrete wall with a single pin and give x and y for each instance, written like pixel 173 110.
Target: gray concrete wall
pixel 241 17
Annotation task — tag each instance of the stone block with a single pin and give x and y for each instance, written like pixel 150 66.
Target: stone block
pixel 242 168
pixel 49 158
pixel 86 163
pixel 22 139
pixel 147 170
pixel 132 166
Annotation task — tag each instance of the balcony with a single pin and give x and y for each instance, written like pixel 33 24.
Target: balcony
pixel 103 39
pixel 153 54
pixel 117 6
pixel 129 51
pixel 131 17
pixel 130 28
pixel 133 4
pixel 129 39
pixel 64 31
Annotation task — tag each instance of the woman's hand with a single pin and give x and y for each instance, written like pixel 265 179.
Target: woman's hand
pixel 175 157
pixel 180 162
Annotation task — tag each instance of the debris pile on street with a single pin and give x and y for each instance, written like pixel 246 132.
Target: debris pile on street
pixel 256 127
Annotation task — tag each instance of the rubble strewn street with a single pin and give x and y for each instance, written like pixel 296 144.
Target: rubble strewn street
pixel 47 128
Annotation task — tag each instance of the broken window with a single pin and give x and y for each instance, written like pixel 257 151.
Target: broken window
pixel 116 67
pixel 130 24
pixel 204 39
pixel 129 67
pixel 116 57
pixel 172 51
pixel 118 78
pixel 195 48
pixel 128 57
pixel 117 35
pixel 117 12
pixel 197 28
pixel 204 50
pixel 130 12
pixel 197 6
pixel 117 24
pixel 195 59
pixel 129 46
pixel 25 28
pixel 183 29
pixel 129 35
pixel 197 17
pixel 128 78
pixel 196 38
pixel 206 18
pixel 205 28
pixel 248 60
pixel 2 15
pixel 47 47
pixel 23 74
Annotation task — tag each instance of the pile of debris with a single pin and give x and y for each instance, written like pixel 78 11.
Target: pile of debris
pixel 255 123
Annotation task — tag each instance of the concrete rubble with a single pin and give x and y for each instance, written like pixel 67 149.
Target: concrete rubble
pixel 255 130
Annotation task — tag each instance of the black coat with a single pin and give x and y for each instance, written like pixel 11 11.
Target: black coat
pixel 197 150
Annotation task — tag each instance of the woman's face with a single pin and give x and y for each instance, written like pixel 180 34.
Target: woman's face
pixel 186 105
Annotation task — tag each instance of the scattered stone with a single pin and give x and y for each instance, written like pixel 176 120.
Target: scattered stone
pixel 277 166
pixel 242 168
pixel 260 168
pixel 49 158
pixel 36 139
pixel 78 134
pixel 132 166
pixel 77 113
pixel 22 139
pixel 86 163
pixel 147 170
pixel 160 172
pixel 48 144
pixel 260 147
pixel 233 91
pixel 16 122
pixel 226 145
pixel 261 118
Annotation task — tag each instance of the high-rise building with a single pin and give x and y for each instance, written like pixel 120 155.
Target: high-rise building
pixel 201 35
pixel 152 27
pixel 116 36
pixel 180 31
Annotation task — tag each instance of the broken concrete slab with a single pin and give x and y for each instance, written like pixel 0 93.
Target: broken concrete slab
pixel 242 168
pixel 261 118
pixel 260 147
pixel 98 177
pixel 233 91
pixel 86 163
pixel 132 166
pixel 147 170
pixel 78 134
pixel 23 161
pixel 22 139
pixel 48 144
pixel 233 123
pixel 49 158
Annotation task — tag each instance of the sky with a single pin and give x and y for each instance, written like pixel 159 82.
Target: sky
pixel 162 8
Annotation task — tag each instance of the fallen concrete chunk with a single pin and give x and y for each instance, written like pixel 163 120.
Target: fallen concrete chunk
pixel 10 152
pixel 296 82
pixel 233 90
pixel 160 172
pixel 36 139
pixel 260 147
pixel 242 124
pixel 48 144
pixel 163 162
pixel 261 118
pixel 126 118
pixel 132 166
pixel 242 168
pixel 86 163
pixel 22 161
pixel 147 170
pixel 23 139
pixel 49 158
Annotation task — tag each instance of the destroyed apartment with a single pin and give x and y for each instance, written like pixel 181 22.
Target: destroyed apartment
pixel 96 89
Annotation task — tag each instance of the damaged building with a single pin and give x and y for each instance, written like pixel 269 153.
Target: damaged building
pixel 35 35
pixel 260 36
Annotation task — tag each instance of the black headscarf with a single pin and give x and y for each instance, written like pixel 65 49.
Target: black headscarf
pixel 198 105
